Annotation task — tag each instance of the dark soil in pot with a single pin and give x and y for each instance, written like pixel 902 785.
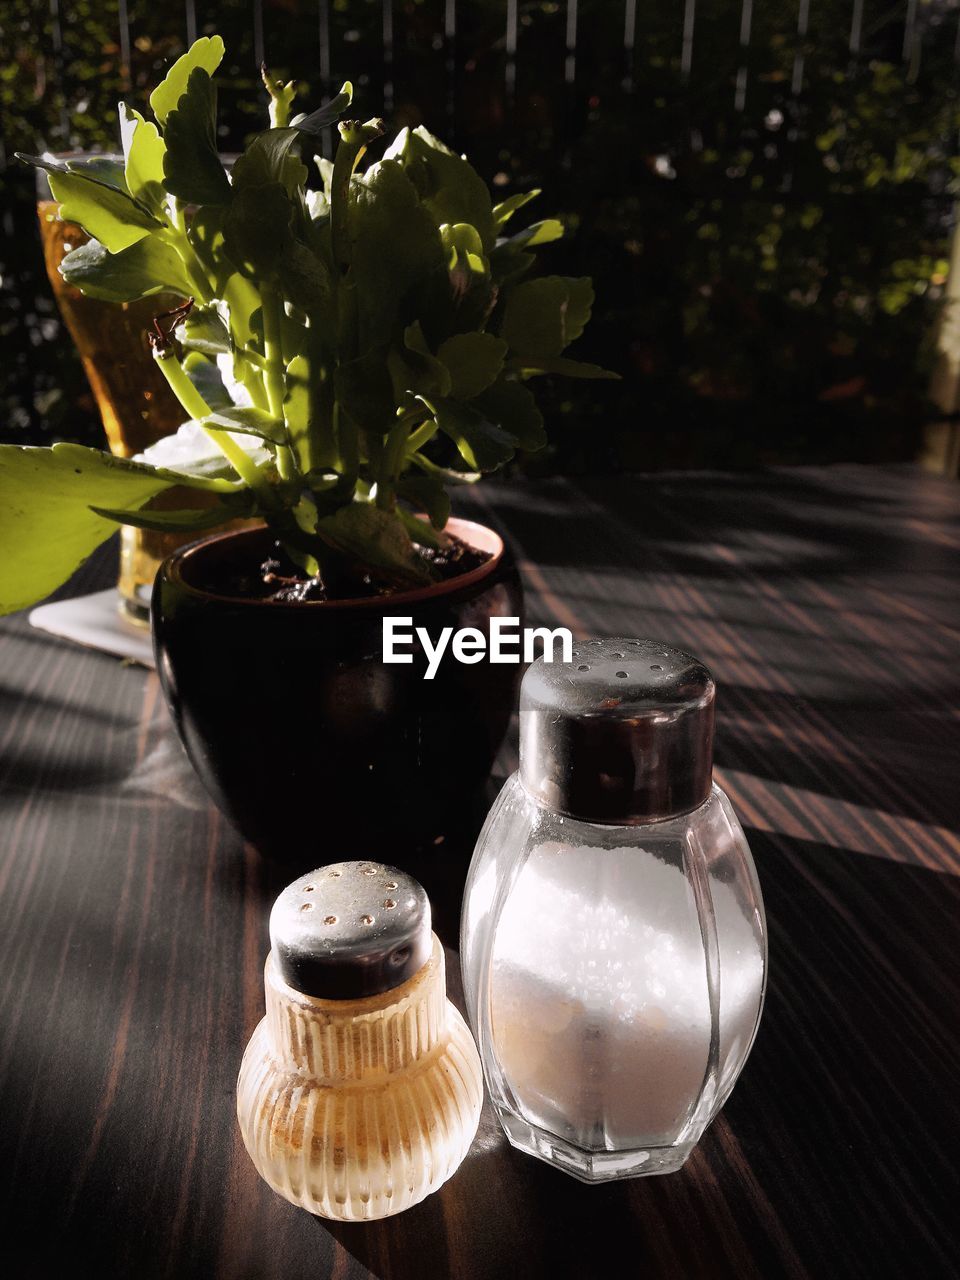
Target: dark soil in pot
pixel 279 579
pixel 312 745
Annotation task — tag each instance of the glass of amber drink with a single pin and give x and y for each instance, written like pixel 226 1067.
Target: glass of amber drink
pixel 136 405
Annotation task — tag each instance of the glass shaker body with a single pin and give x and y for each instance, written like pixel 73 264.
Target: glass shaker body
pixel 614 977
pixel 358 1109
pixel 360 1091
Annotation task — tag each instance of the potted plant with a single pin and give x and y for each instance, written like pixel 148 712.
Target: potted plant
pixel 343 356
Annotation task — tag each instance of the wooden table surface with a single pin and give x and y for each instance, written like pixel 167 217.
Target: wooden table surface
pixel 133 922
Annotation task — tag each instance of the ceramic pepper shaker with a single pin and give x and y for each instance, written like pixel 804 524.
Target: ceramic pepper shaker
pixel 613 939
pixel 360 1091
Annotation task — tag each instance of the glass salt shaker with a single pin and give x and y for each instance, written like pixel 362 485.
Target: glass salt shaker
pixel 360 1091
pixel 613 936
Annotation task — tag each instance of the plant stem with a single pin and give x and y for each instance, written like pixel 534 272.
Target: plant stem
pixel 247 373
pixel 348 445
pixel 179 242
pixel 272 350
pixel 281 98
pixel 392 457
pixel 242 299
pixel 255 358
pixel 422 434
pixel 198 409
pixel 355 138
pixel 274 373
pixel 321 443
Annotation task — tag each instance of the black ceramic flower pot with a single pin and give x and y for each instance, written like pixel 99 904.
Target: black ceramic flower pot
pixel 305 738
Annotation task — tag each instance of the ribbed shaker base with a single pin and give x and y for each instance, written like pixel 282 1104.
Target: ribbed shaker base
pixel 362 1148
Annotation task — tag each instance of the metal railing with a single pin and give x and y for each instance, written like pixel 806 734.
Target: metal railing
pixel 762 189
pixel 572 42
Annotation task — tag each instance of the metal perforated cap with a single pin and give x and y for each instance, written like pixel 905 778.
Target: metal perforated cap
pixel 351 929
pixel 623 734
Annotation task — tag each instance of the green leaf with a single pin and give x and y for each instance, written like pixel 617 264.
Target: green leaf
pixel 315 123
pixel 304 279
pixel 187 521
pixel 205 376
pixel 143 151
pixel 375 538
pixel 247 421
pixel 426 493
pixel 190 457
pixel 203 330
pixel 448 184
pixel 512 407
pixel 271 157
pixel 243 303
pixel 364 390
pixel 510 259
pixel 354 140
pixel 562 365
pixel 414 369
pixel 256 228
pixel 191 166
pixel 105 211
pixel 145 268
pixel 464 250
pixel 207 52
pixel 504 211
pixel 424 534
pixel 325 169
pixel 449 475
pixel 482 444
pixel 508 264
pixel 205 233
pixel 107 171
pixel 543 316
pixel 46 525
pixel 474 361
pixel 544 232
pixel 384 215
pixel 460 298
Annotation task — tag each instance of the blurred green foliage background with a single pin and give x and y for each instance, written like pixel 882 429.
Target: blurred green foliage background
pixel 763 194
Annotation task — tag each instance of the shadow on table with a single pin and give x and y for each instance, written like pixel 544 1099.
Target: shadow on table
pixel 440 867
pixel 782 523
pixel 898 754
pixel 504 1216
pixel 833 1155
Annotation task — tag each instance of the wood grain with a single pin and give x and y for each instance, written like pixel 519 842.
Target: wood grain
pixel 133 921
